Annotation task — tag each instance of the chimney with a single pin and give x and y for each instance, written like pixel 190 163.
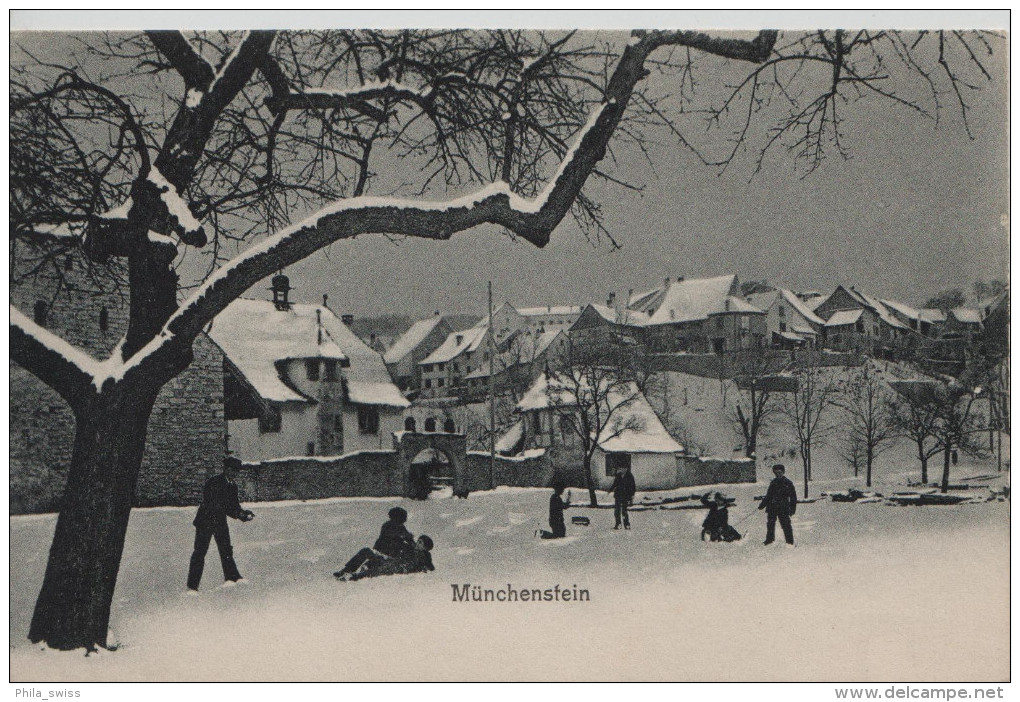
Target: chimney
pixel 371 338
pixel 726 304
pixel 325 300
pixel 611 299
pixel 437 313
pixel 347 319
pixel 281 291
pixel 679 279
pixel 665 282
pixel 318 327
pixel 459 339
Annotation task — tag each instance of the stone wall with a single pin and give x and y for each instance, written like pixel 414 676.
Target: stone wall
pixel 711 365
pixel 692 470
pixel 361 474
pixel 530 471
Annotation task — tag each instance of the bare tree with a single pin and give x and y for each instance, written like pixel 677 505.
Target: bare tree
pixel 865 399
pixel 140 148
pixel 806 407
pixel 589 395
pixel 914 416
pixel 957 422
pixel 757 382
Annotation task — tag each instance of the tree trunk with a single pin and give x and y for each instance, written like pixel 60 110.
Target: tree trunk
pixel 869 459
pixel 590 482
pixel 805 458
pixel 73 608
pixel 945 469
pixel 924 470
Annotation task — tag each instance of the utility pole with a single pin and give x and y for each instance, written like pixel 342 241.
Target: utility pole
pixel 492 395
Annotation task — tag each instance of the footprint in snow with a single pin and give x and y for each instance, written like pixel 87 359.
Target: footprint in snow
pixel 560 542
pixel 463 551
pixel 471 520
pixel 313 556
pixel 499 530
pixel 517 518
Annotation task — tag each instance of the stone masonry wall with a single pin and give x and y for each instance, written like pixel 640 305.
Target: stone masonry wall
pixel 360 474
pixel 692 470
pixel 536 471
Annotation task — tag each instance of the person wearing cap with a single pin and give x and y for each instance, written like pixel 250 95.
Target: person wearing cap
pixel 780 502
pixel 219 501
pixel 394 541
pixel 623 489
pixel 717 524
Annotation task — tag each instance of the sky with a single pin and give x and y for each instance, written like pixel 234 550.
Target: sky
pixel 916 209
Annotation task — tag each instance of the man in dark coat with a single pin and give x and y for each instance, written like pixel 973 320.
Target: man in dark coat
pixel 623 489
pixel 219 501
pixel 780 502
pixel 394 541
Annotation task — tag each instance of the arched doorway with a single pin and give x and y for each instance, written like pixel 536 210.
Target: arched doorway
pixel 410 424
pixel 431 475
pixel 430 424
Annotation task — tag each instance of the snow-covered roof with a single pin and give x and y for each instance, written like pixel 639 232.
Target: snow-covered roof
pixel 652 437
pixel 511 438
pixel 877 307
pixel 906 310
pixel 803 309
pixel 804 330
pixel 255 336
pixel 929 314
pixel 966 315
pixel 527 348
pixel 842 317
pixel 626 317
pixel 548 310
pixel 410 339
pixel 456 344
pixel 697 298
pixel 643 300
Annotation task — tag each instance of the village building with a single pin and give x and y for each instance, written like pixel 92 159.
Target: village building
pixel 633 435
pixel 789 323
pixel 79 301
pixel 601 325
pixel 443 370
pixel 703 315
pixel 925 321
pixel 413 346
pixel 508 320
pixel 855 321
pixel 521 358
pixel 299 382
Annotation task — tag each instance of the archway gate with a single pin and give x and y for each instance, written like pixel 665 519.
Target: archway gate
pixel 409 444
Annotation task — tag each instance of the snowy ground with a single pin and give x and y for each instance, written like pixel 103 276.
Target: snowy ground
pixel 872 592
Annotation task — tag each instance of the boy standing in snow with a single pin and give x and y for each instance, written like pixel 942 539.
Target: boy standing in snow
pixel 556 507
pixel 780 502
pixel 623 490
pixel 219 501
pixel 394 541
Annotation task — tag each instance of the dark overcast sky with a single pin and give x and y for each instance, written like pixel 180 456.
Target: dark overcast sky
pixel 917 209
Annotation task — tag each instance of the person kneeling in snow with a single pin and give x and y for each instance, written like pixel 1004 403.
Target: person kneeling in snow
pixel 418 560
pixel 556 507
pixel 717 524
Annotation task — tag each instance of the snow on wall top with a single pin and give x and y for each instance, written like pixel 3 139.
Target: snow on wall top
pixel 456 344
pixel 695 299
pixel 410 339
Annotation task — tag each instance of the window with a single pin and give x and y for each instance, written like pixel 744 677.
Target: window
pixel 331 370
pixel 469 369
pixel 338 423
pixel 104 319
pixel 782 326
pixel 745 322
pixel 368 420
pixel 312 368
pixel 311 448
pixel 536 424
pixel 68 263
pixel 427 368
pixel 410 424
pixel 430 424
pixel 428 383
pixel 40 313
pixel 719 322
pixel 616 462
pixel 449 427
pixel 456 368
pixel 566 431
pixel 440 383
pixel 859 326
pixel 442 366
pixel 269 422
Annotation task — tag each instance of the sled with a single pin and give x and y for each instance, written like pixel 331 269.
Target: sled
pixel 583 521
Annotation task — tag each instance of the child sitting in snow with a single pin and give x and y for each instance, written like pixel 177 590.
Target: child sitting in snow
pixel 418 560
pixel 717 524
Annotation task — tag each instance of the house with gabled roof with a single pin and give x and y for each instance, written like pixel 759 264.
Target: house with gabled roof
pixel 299 382
pixel 460 354
pixel 509 320
pixel 632 434
pixel 789 322
pixel 518 361
pixel 700 315
pixel 601 324
pixel 855 321
pixel 412 347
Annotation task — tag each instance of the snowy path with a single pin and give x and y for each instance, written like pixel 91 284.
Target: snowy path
pixel 871 592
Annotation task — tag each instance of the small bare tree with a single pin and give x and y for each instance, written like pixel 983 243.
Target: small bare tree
pixel 914 413
pixel 868 423
pixel 755 405
pixel 804 409
pixel 590 394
